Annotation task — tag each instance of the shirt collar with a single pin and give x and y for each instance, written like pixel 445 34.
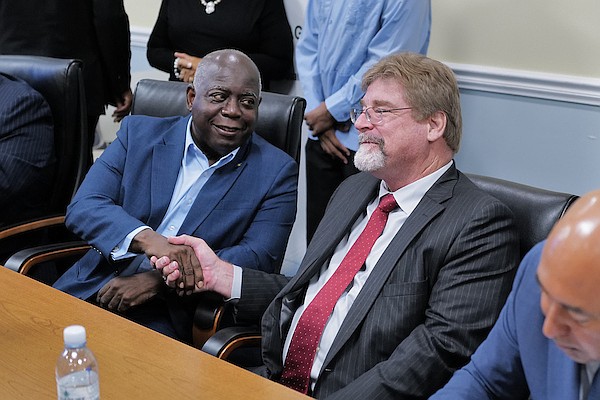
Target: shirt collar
pixel 409 196
pixel 192 152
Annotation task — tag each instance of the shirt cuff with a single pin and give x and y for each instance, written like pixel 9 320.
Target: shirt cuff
pixel 236 285
pixel 121 250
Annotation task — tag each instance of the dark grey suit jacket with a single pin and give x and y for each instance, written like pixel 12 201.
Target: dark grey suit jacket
pixel 431 299
pixel 26 152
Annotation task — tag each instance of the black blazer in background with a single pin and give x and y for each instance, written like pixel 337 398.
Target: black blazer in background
pixel 94 31
pixel 430 300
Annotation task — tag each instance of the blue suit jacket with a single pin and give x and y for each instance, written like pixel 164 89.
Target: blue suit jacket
pixel 245 211
pixel 517 358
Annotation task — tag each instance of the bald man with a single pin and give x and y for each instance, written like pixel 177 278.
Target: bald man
pixel 546 343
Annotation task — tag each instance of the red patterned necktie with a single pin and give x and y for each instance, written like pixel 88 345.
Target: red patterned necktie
pixel 306 337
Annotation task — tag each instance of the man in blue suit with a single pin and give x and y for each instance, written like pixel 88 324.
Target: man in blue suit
pixel 546 343
pixel 207 175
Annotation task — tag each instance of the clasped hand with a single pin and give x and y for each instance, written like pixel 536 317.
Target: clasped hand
pixel 211 273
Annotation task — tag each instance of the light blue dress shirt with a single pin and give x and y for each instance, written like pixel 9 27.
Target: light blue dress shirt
pixel 341 39
pixel 193 175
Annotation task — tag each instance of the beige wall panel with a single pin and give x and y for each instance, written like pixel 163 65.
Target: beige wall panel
pixel 555 36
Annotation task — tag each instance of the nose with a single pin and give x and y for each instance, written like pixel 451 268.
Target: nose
pixel 231 108
pixel 362 122
pixel 555 324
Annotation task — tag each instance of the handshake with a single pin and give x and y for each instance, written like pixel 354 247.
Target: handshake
pixel 201 271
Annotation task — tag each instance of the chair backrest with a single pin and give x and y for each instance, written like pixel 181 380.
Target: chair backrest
pixel 536 210
pixel 60 82
pixel 279 116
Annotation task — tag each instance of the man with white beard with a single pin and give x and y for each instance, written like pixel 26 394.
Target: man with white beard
pixel 392 296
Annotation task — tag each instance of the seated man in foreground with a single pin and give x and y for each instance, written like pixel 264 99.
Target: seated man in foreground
pixel 392 296
pixel 206 175
pixel 546 343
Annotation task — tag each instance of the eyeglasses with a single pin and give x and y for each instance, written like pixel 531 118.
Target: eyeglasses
pixel 375 116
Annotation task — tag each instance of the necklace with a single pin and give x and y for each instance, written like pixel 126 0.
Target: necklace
pixel 210 5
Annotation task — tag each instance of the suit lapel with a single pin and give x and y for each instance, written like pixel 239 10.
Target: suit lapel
pixel 166 162
pixel 336 224
pixel 215 189
pixel 429 207
pixel 563 376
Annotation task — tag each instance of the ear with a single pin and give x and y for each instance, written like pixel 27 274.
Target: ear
pixel 437 125
pixel 191 95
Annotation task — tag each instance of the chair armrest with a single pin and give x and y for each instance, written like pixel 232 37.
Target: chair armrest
pixel 33 225
pixel 226 340
pixel 23 260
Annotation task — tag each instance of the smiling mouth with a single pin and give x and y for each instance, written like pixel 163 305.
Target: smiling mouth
pixel 228 129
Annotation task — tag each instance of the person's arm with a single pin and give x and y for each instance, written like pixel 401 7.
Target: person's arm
pixel 306 59
pixel 161 52
pixel 112 31
pixel 465 300
pixel 26 145
pixel 275 49
pixel 404 27
pixel 258 288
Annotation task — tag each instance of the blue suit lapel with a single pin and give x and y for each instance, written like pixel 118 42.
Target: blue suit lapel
pixel 215 189
pixel 166 162
pixel 429 207
pixel 595 389
pixel 563 376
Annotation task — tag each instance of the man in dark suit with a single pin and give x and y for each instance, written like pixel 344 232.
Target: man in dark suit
pixel 546 343
pixel 207 175
pixel 26 151
pixel 431 285
pixel 94 31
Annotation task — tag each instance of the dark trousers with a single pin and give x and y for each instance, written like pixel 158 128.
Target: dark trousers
pixel 324 173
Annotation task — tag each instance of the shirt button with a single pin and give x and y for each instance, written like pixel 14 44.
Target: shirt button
pixel 171 228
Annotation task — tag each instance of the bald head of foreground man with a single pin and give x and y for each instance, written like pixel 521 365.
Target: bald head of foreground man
pixel 546 343
pixel 569 278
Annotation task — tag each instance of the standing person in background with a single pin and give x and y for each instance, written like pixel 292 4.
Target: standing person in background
pixel 340 40
pixel 94 31
pixel 187 30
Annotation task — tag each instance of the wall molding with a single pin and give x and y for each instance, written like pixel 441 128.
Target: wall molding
pixel 139 36
pixel 566 88
pixel 538 85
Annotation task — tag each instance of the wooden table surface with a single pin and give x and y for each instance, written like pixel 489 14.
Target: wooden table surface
pixel 134 362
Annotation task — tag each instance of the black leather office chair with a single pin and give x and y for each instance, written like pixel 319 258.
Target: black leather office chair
pixel 536 210
pixel 60 82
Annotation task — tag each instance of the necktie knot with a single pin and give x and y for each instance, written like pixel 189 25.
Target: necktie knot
pixel 387 203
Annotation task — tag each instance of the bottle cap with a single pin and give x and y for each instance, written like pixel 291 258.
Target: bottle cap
pixel 74 336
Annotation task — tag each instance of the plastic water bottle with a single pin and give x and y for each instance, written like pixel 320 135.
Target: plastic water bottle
pixel 76 368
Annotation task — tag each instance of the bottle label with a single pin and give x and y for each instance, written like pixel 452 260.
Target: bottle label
pixel 81 385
